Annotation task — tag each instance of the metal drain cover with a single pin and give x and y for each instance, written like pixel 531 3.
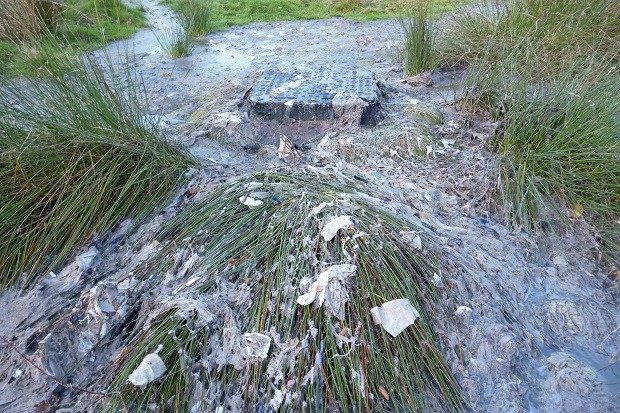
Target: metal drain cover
pixel 310 95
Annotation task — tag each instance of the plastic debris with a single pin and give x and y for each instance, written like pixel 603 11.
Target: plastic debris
pixel 317 209
pixel 395 316
pixel 251 186
pixel 287 149
pixel 329 290
pixel 437 280
pixel 17 374
pixel 71 274
pixel 150 369
pixel 462 309
pixel 249 201
pixel 256 345
pixel 413 239
pixel 260 195
pixel 85 260
pixel 330 229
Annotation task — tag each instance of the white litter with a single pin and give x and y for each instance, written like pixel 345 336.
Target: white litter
pixel 251 186
pixel 287 149
pixel 330 229
pixel 329 289
pixel 150 369
pixel 462 309
pixel 395 316
pixel 250 202
pixel 413 239
pixel 256 345
pixel 317 209
pixel 437 280
pixel 260 195
pixel 85 260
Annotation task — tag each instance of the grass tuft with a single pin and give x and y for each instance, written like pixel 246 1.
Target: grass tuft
pixel 176 42
pixel 55 29
pixel 196 17
pixel 419 37
pixel 27 19
pixel 77 155
pixel 560 142
pixel 554 92
pixel 251 266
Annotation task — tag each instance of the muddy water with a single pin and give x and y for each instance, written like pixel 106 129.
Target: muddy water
pixel 537 323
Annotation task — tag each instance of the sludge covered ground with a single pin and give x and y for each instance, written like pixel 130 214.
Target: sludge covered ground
pixel 523 323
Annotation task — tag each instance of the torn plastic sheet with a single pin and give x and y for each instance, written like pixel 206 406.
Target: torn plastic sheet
pixel 329 289
pixel 330 229
pixel 150 369
pixel 250 202
pixel 256 346
pixel 395 316
pixel 317 209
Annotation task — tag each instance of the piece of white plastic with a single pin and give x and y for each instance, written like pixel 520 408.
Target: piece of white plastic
pixel 150 369
pixel 256 345
pixel 329 289
pixel 250 202
pixel 395 316
pixel 330 229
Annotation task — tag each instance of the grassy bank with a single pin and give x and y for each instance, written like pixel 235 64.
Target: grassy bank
pixel 546 70
pixel 33 36
pixel 226 13
pixel 77 156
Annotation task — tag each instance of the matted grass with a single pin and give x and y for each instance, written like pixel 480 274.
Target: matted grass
pixel 251 268
pixel 77 155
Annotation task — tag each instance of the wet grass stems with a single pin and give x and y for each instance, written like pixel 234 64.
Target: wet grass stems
pixel 181 344
pixel 419 30
pixel 267 251
pixel 78 155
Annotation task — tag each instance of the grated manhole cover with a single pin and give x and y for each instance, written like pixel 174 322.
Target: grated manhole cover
pixel 309 96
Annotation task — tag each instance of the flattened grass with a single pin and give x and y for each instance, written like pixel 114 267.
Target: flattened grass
pixel 77 155
pixel 264 254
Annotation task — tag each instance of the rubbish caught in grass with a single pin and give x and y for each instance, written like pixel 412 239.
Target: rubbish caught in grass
pixel 395 316
pixel 255 263
pixel 256 346
pixel 330 229
pixel 287 150
pixel 329 290
pixel 462 310
pixel 77 157
pixel 150 369
pixel 250 202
